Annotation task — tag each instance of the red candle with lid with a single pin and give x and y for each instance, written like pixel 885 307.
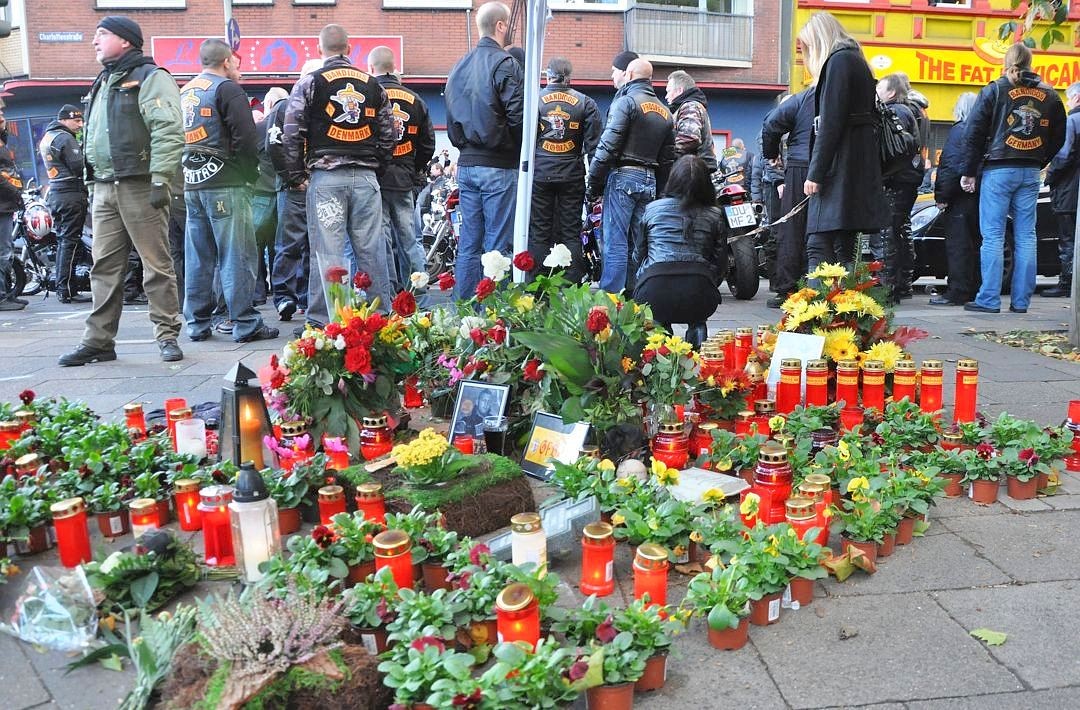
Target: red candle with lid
pixel 371 502
pixel 517 615
pixel 712 360
pixel 597 560
pixel 217 526
pixel 847 382
pixel 72 534
pixel 726 338
pixel 671 445
pixel 772 482
pixel 817 383
pixel 26 419
pixel 651 573
pixel 27 465
pixel 789 387
pixel 701 439
pixel 135 419
pixel 186 496
pixel 464 443
pixel 143 513
pixel 851 418
pixel 744 424
pixel 930 385
pixel 331 502
pixel 873 385
pixel 744 343
pixel 413 398
pixel 904 376
pixel 800 514
pixel 393 549
pixel 967 387
pixel 9 434
pixel 952 441
pixel 376 439
pixel 171 404
pixel 764 410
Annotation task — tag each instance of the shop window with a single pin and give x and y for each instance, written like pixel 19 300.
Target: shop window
pixel 946 4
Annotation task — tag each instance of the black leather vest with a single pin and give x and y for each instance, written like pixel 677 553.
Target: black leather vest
pixel 650 128
pixel 51 150
pixel 562 113
pixel 344 113
pixel 129 138
pixel 205 145
pixel 407 112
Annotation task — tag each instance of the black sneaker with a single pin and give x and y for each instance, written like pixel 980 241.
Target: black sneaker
pixel 200 336
pixel 138 299
pixel 263 333
pixel 170 351
pixel 1014 309
pixel 976 308
pixel 286 309
pixel 84 355
pixel 11 305
pixel 75 298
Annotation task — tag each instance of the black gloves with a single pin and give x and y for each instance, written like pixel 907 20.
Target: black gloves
pixel 159 195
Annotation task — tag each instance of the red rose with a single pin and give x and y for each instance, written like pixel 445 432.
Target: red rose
pixel 404 304
pixel 332 330
pixel 361 280
pixel 532 371
pixel 27 396
pixel 377 321
pixel 524 261
pixel 497 333
pixel 446 281
pixel 597 319
pixel 358 361
pixel 485 288
pixel 478 336
pixel 306 346
pixel 336 274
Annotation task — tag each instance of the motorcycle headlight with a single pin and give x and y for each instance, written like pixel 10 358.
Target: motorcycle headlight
pixel 921 219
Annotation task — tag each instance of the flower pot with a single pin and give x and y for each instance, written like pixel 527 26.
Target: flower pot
pixel 905 533
pixel 435 577
pixel 984 492
pixel 802 590
pixel 1042 481
pixel 359 573
pixel 747 475
pixel 766 610
pixel 417 573
pixel 887 545
pixel 288 520
pixel 36 542
pixel 954 486
pixel 374 640
pixel 422 706
pixel 164 512
pixel 114 523
pixel 1022 490
pixel 868 548
pixel 655 674
pixel 610 697
pixel 730 639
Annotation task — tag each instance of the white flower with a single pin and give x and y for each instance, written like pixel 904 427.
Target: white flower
pixel 496 265
pixel 558 258
pixel 468 323
pixel 339 342
pixel 287 352
pixel 419 279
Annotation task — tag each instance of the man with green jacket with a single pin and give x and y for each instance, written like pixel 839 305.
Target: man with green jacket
pixel 133 143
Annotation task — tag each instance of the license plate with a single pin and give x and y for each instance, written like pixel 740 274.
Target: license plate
pixel 455 218
pixel 740 215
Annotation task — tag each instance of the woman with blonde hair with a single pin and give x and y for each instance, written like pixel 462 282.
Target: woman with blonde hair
pixel 1016 126
pixel 844 176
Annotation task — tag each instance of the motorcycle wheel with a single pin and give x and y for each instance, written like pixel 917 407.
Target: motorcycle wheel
pixel 18 274
pixel 33 282
pixel 742 276
pixel 437 263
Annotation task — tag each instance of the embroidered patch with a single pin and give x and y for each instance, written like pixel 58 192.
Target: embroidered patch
pixel 331 213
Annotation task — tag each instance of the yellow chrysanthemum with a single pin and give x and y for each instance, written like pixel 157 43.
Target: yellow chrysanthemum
pixel 887 352
pixel 750 505
pixel 713 495
pixel 677 345
pixel 618 519
pixel 828 271
pixel 422 450
pixel 606 465
pixel 816 310
pixel 655 340
pixel 807 293
pixel 793 306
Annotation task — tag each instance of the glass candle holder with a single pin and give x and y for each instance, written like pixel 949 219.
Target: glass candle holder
pixel 744 343
pixel 517 615
pixel 597 560
pixel 26 420
pixel 331 502
pixel 671 445
pixel 761 333
pixel 904 376
pixel 393 549
pixel 1072 423
pixel 712 361
pixel 817 383
pixel 27 465
pixel 528 543
pixel 171 404
pixel 930 386
pixel 967 388
pixel 772 482
pixel 254 520
pixel 186 497
pixel 135 419
pixel 371 502
pixel 952 441
pixel 789 387
pixel 179 415
pixel 217 526
pixel 873 385
pixel 413 398
pixel 851 418
pixel 143 513
pixel 292 437
pixel 701 439
pixel 337 454
pixel 651 573
pixel 847 382
pixel 72 534
pixel 464 443
pixel 820 438
pixel 191 437
pixel 495 429
pixel 376 439
pixel 9 434
pixel 744 424
pixel 727 344
pixel 756 374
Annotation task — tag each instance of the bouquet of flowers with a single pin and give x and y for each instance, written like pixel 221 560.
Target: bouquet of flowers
pixel 429 459
pixel 668 367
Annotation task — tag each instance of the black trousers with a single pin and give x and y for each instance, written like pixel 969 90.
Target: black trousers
pixel 556 219
pixel 679 298
pixel 791 236
pixel 898 246
pixel 770 197
pixel 1066 243
pixel 177 224
pixel 962 242
pixel 69 215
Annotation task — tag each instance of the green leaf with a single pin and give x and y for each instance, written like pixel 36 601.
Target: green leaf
pixel 992 638
pixel 112 663
pixel 566 355
pixel 338 568
pixel 1046 41
pixel 720 617
pixel 98 655
pixel 143 588
pixel 1029 42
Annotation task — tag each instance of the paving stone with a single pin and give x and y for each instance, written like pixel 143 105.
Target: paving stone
pixel 1035 617
pixel 175 383
pixel 22 687
pixel 1055 699
pixel 1034 547
pixel 1031 505
pixel 1063 502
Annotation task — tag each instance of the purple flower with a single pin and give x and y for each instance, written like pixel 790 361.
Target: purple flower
pixel 605 632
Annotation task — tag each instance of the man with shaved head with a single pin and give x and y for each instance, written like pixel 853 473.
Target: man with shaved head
pixel 629 169
pixel 484 113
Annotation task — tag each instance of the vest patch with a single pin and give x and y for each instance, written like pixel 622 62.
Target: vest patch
pixel 400 95
pixel 403 149
pixel 560 96
pixel 344 73
pixel 653 107
pixel 195 136
pixel 349 135
pixel 558 146
pixel 349 99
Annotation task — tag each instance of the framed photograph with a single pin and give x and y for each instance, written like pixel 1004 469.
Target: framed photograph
pixel 551 439
pixel 476 400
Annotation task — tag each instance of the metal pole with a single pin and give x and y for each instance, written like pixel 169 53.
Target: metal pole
pixel 468 30
pixel 228 15
pixel 1074 322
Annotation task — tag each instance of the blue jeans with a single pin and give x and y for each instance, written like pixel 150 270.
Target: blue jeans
pixel 626 193
pixel 220 238
pixel 487 221
pixel 289 275
pixel 402 239
pixel 345 204
pixel 1005 191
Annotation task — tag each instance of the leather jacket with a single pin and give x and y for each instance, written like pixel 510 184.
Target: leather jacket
pixel 1021 126
pixel 60 151
pixel 485 104
pixel 569 129
pixel 414 135
pixel 639 132
pixel 669 235
pixel 795 119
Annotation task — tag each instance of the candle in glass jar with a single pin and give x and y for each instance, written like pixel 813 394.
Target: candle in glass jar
pixel 217 526
pixel 393 549
pixel 186 496
pixel 873 385
pixel 952 441
pixel 904 381
pixel 331 502
pixel 251 443
pixel 191 437
pixel 756 374
pixel 27 465
pixel 744 343
pixel 134 418
pixel 1072 423
pixel 930 386
pixel 72 534
pixel 727 344
pixel 528 543
pixel 817 383
pixel 847 382
pixel 701 439
pixel 851 418
pixel 26 419
pixel 376 439
pixel 337 454
pixel 597 560
pixel 9 434
pixel 171 404
pixel 772 482
pixel 144 516
pixel 175 416
pixel 712 360
pixel 371 502
pixel 413 398
pixel 967 387
pixel 651 573
pixel 800 515
pixel 463 443
pixel 517 615
pixel 789 387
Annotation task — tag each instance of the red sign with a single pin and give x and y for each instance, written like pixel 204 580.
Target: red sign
pixel 266 55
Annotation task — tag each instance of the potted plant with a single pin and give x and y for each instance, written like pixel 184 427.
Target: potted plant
pixel 722 597
pixel 1022 467
pixel 107 503
pixel 651 514
pixel 764 571
pixel 24 516
pixel 429 460
pixel 316 565
pixel 950 469
pixel 735 455
pixel 354 535
pixel 802 562
pixel 412 672
pixel 623 663
pixel 148 485
pixel 905 427
pixel 458 687
pixel 414 523
pixel 982 469
pixel 1052 445
pixel 548 676
pixel 863 520
pixel 418 614
pixel 438 543
pixel 370 606
pixel 653 628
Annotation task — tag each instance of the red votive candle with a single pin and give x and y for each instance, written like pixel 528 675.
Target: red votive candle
pixel 904 376
pixel 847 382
pixel 651 573
pixel 376 439
pixel 772 482
pixel 331 502
pixel 186 496
pixel 9 434
pixel 26 420
pixel 764 410
pixel 744 424
pixel 851 418
pixel 744 343
pixel 463 443
pixel 817 383
pixel 873 385
pixel 217 526
pixel 930 386
pixel 135 419
pixel 413 398
pixel 671 445
pixel 143 513
pixel 597 560
pixel 72 534
pixel 967 388
pixel 171 404
pixel 517 615
pixel 789 387
pixel 393 549
pixel 371 502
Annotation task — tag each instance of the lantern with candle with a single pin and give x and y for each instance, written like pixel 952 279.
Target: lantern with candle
pixel 764 410
pixel 186 495
pixel 597 560
pixel 517 615
pixel 144 516
pixel 772 482
pixel 72 534
pixel 254 521
pixel 851 418
pixel 371 502
pixel 930 386
pixel 904 375
pixel 789 387
pixel 967 387
pixel 134 419
pixel 817 383
pixel 847 382
pixel 756 374
pixel 376 439
pixel 297 441
pixel 528 543
pixel 217 525
pixel 244 419
pixel 651 573
pixel 331 502
pixel 393 549
pixel 873 385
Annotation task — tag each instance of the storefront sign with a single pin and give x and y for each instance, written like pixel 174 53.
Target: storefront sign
pixel 969 67
pixel 266 55
pixel 60 36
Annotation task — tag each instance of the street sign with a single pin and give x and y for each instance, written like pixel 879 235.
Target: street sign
pixel 232 32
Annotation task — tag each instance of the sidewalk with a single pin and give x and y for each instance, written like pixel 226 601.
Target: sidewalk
pixel 898 639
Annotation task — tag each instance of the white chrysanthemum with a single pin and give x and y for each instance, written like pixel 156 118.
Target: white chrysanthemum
pixel 419 279
pixel 558 258
pixel 495 265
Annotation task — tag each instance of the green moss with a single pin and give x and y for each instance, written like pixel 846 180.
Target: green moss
pixel 277 693
pixel 355 475
pixel 502 470
pixel 215 687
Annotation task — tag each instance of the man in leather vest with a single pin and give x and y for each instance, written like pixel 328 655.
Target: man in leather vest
pixel 338 137
pixel 629 169
pixel 570 127
pixel 132 145
pixel 415 138
pixel 10 201
pixel 693 129
pixel 221 162
pixel 59 149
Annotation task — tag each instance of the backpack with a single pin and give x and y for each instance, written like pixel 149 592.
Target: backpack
pixel 896 145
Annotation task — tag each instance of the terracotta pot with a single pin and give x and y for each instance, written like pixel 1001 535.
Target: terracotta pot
pixel 417 573
pixel 985 492
pixel 655 674
pixel 954 486
pixel 164 512
pixel 435 577
pixel 36 542
pixel 288 520
pixel 114 523
pixel 1021 490
pixel 422 706
pixel 802 590
pixel 887 545
pixel 905 533
pixel 610 697
pixel 1042 481
pixel 766 610
pixel 747 475
pixel 359 573
pixel 730 639
pixel 374 640
pixel 869 548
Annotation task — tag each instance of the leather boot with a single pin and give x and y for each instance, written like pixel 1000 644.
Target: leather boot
pixel 696 334
pixel 1063 288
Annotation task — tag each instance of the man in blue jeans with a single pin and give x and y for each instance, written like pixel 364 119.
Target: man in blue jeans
pixel 630 167
pixel 484 113
pixel 220 163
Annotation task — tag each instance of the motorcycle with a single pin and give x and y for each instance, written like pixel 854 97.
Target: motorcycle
pixel 440 232
pixel 36 247
pixel 741 217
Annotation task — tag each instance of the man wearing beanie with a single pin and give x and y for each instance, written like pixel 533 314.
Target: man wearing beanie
pixel 60 151
pixel 619 75
pixel 132 145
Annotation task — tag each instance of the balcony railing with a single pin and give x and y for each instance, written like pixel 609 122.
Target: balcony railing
pixel 689 34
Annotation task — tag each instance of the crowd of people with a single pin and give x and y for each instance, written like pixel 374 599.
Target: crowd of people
pixel 213 208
